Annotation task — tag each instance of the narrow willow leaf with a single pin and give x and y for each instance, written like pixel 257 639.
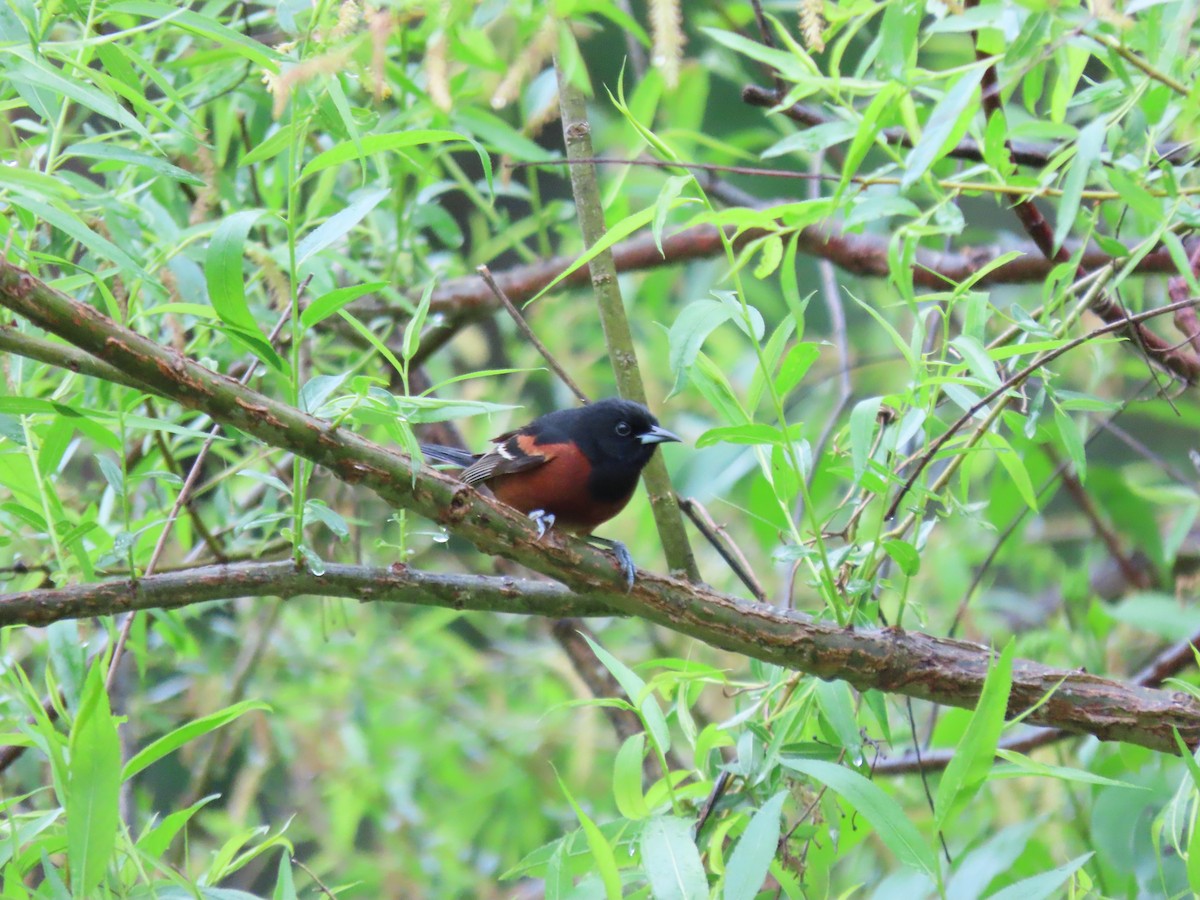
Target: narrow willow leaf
pixel 647 704
pixel 747 866
pixel 975 355
pixel 223 270
pixel 617 232
pixel 862 432
pixel 269 148
pixel 41 74
pixel 93 786
pixel 627 778
pixel 339 224
pixel 602 851
pixel 795 366
pixel 946 125
pixel 371 144
pixel 70 224
pixel 1046 884
pixel 118 154
pixel 671 860
pixel 1087 152
pixel 754 434
pixel 206 26
pixel 1015 467
pixel 880 809
pixel 691 328
pixel 412 331
pixel 1068 430
pixel 329 303
pixel 175 739
pixel 976 752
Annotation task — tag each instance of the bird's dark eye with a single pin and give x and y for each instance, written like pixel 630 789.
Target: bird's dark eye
pixel 623 429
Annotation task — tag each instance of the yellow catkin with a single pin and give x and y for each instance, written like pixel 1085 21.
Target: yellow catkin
pixel 666 28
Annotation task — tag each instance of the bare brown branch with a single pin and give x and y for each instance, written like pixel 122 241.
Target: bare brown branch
pixel 917 665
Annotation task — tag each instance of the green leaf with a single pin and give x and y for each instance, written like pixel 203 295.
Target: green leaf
pixel 1068 430
pixel 384 143
pixel 711 382
pixel 1087 152
pixel 904 555
pixel 671 860
pixel 668 197
pixel 791 66
pixel 644 699
pixel 329 303
pixel 269 148
pixel 1047 884
pixel 68 659
pixel 173 740
pixel 796 364
pixel 1014 466
pixel 772 351
pixel 1139 199
pixel 1179 256
pixel 975 870
pixel 223 271
pixel 771 253
pixel 285 888
pixel 602 851
pixel 868 130
pixel 205 26
pixel 977 359
pixel 747 866
pixel 946 125
pixel 1022 766
pixel 40 74
pixel 837 706
pixel 613 235
pixel 753 434
pixel 885 815
pixel 93 786
pixel 155 842
pixel 627 778
pixel 412 331
pixel 116 153
pixel 69 224
pixel 500 135
pixel 976 752
pixel 339 224
pixel 691 328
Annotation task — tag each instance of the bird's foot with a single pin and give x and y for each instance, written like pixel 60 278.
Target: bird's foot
pixel 543 520
pixel 621 552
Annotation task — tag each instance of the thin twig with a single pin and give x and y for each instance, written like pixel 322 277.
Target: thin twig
pixel 724 545
pixel 313 875
pixel 1021 193
pixel 1135 576
pixel 1019 378
pixel 184 493
pixel 618 336
pixel 541 348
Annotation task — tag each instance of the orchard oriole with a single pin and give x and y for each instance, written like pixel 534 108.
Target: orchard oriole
pixel 576 468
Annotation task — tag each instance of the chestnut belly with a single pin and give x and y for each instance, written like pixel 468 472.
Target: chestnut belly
pixel 574 509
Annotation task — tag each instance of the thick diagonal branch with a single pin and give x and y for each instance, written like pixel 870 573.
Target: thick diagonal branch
pixel 917 665
pixel 909 663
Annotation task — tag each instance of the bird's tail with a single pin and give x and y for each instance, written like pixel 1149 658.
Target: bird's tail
pixel 450 455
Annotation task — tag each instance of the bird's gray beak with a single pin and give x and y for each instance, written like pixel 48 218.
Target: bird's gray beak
pixel 658 435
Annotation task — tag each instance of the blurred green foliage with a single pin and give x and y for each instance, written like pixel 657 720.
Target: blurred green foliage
pixel 193 172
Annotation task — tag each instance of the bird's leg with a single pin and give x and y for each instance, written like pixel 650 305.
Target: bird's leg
pixel 543 520
pixel 621 552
